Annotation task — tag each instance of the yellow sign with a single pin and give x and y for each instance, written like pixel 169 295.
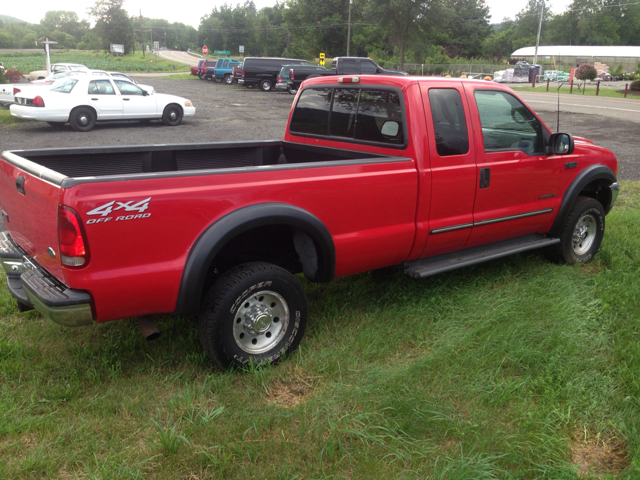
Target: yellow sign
pixel 322 59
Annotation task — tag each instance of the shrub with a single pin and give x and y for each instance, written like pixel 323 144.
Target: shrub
pixel 2 77
pixel 15 76
pixel 586 71
pixel 635 85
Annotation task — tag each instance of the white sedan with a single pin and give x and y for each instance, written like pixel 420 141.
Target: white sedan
pixel 82 101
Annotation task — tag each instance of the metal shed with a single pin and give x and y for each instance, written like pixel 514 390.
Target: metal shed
pixel 574 55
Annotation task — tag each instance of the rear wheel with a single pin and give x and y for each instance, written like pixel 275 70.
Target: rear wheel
pixel 172 115
pixel 581 233
pixel 202 77
pixel 254 313
pixel 228 79
pixel 292 91
pixel 218 80
pixel 265 85
pixel 82 119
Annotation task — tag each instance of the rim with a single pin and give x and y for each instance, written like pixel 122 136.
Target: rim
pixel 261 322
pixel 173 115
pixel 83 119
pixel 584 234
pixel 266 86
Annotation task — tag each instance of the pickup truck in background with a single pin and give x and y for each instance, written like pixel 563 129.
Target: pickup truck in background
pixel 339 66
pixel 364 179
pixel 224 70
pixel 195 70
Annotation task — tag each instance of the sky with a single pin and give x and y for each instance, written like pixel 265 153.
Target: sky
pixel 190 11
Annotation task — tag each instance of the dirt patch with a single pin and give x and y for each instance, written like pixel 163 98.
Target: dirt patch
pixel 598 457
pixel 291 393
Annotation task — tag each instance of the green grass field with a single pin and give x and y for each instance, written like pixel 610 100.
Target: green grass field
pixel 514 369
pixel 7 119
pixel 135 62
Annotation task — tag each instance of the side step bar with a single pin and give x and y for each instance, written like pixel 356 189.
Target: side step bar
pixel 426 267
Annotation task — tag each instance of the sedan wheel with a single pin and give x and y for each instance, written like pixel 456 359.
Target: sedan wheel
pixel 82 119
pixel 172 115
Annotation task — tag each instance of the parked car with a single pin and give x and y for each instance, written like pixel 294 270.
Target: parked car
pixel 263 72
pixel 195 70
pixel 55 68
pixel 283 77
pixel 363 179
pixel 123 76
pixel 224 70
pixel 84 100
pixel 207 69
pixel 236 71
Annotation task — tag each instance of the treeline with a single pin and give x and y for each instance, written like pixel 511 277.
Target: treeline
pixel 396 31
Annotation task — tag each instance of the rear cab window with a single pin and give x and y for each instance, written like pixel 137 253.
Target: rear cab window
pixel 354 114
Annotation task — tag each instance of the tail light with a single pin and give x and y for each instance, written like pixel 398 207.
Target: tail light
pixel 38 102
pixel 71 238
pixel 16 90
pixel 243 74
pixel 279 79
pixel 291 76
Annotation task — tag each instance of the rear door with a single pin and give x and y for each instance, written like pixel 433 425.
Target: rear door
pixel 453 166
pixel 103 97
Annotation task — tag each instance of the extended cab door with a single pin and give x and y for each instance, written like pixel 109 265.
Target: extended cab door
pixel 453 166
pixel 517 182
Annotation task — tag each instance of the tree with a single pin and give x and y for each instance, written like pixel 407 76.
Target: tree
pixel 66 22
pixel 113 24
pixel 585 72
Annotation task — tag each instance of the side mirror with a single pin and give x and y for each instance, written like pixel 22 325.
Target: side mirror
pixel 560 144
pixel 145 93
pixel 378 70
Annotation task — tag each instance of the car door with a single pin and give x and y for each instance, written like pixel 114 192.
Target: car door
pixel 453 166
pixel 517 182
pixel 103 97
pixel 135 104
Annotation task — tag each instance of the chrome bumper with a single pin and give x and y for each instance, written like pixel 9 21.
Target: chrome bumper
pixel 33 287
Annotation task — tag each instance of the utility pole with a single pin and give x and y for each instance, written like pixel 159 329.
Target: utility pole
pixel 142 33
pixel 349 28
pixel 535 57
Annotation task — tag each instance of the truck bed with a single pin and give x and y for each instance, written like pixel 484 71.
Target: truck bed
pixel 169 160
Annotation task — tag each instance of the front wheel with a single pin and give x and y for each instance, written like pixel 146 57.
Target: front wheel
pixel 228 79
pixel 265 85
pixel 172 115
pixel 253 314
pixel 581 233
pixel 292 91
pixel 82 119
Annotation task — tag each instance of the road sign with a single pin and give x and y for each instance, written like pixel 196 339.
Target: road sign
pixel 204 50
pixel 221 52
pixel 322 58
pixel 241 48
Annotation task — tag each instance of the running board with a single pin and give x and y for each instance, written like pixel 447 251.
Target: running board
pixel 426 267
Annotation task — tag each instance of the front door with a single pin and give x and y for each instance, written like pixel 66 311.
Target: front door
pixel 517 186
pixel 135 104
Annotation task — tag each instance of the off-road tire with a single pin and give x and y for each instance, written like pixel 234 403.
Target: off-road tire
pixel 82 119
pixel 172 115
pixel 581 233
pixel 253 314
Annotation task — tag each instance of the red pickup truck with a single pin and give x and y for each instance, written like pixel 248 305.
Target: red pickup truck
pixel 373 171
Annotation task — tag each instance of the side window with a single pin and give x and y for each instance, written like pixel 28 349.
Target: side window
pixel 65 86
pixel 349 66
pixel 101 87
pixel 127 88
pixel 379 117
pixel 507 124
pixel 311 114
pixel 226 62
pixel 218 63
pixel 449 122
pixel 343 114
pixel 367 67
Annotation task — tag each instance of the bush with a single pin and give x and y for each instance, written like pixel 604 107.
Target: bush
pixel 15 76
pixel 3 79
pixel 585 72
pixel 635 85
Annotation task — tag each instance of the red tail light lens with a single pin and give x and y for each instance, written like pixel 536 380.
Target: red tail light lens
pixel 279 79
pixel 71 238
pixel 291 76
pixel 38 102
pixel 16 90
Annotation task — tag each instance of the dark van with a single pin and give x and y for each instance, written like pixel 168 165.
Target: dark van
pixel 263 72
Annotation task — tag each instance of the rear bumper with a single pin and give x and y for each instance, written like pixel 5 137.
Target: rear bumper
pixel 33 287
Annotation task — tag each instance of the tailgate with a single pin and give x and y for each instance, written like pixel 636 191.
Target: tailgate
pixel 29 196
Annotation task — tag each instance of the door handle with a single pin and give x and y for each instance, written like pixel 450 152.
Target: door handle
pixel 485 177
pixel 126 99
pixel 94 99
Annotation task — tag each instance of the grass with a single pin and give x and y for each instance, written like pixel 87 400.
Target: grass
pixel 590 90
pixel 515 369
pixel 181 76
pixel 7 119
pixel 134 62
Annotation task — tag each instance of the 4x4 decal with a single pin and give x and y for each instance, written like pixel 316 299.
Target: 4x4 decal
pixel 114 206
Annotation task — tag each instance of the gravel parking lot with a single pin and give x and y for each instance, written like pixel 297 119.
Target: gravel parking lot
pixel 233 113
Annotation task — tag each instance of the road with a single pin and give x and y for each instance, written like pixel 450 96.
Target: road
pixel 626 109
pixel 179 57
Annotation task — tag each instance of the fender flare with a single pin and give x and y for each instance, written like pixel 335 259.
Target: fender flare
pixel 212 239
pixel 585 177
